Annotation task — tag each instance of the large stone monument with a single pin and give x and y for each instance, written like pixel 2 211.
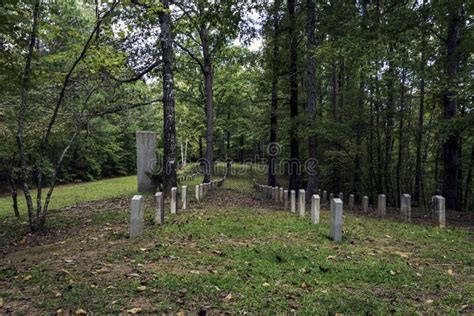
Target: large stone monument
pixel 146 160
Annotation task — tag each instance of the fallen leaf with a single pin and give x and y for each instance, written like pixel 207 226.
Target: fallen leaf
pixel 450 271
pixel 429 301
pixel 141 288
pixel 68 260
pixel 304 285
pixel 266 284
pixel 418 274
pixel 80 311
pixel 1 302
pixel 58 294
pixel 228 297
pixel 28 277
pixel 134 310
pixel 392 272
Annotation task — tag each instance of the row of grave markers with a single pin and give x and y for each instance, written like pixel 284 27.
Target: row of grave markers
pixel 279 194
pixel 137 207
pixel 187 177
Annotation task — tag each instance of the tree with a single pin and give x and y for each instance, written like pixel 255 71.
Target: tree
pixel 169 124
pixel 451 145
pixel 311 90
pixel 295 172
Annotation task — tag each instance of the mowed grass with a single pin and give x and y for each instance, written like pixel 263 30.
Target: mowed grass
pixel 72 194
pixel 236 252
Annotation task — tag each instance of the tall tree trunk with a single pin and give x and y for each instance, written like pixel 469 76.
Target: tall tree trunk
pixel 25 87
pixel 295 172
pixel 421 115
pixel 241 155
pixel 169 125
pixel 358 140
pixel 200 148
pixel 335 88
pixel 451 146
pixel 227 151
pixel 14 195
pixel 387 167
pixel 370 145
pixel 273 147
pixel 312 139
pixel 468 190
pixel 208 77
pixel 400 133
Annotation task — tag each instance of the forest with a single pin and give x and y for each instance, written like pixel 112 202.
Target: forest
pixel 378 94
pixel 253 102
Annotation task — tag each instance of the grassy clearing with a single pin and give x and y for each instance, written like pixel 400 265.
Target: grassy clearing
pixel 72 194
pixel 235 253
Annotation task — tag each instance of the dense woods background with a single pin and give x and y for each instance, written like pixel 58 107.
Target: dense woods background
pixel 378 92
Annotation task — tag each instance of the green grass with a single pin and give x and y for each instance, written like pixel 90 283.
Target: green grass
pixel 71 194
pixel 234 253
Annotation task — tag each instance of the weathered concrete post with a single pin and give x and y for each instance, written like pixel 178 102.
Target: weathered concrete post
pixel 281 195
pixel 301 202
pixel 405 207
pixel 336 219
pixel 146 160
pixel 341 196
pixel 196 193
pixel 351 202
pixel 201 191
pixel 382 205
pixel 276 194
pixel 331 196
pixel 365 203
pixel 160 210
pixel 293 201
pixel 439 211
pixel 184 197
pixel 285 200
pixel 325 196
pixel 315 205
pixel 136 216
pixel 174 202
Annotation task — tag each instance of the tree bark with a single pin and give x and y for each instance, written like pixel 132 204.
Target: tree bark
pixel 273 147
pixel 208 78
pixel 358 131
pixel 241 155
pixel 451 146
pixel 419 136
pixel 400 133
pixel 312 139
pixel 25 87
pixel 14 195
pixel 295 172
pixel 169 124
